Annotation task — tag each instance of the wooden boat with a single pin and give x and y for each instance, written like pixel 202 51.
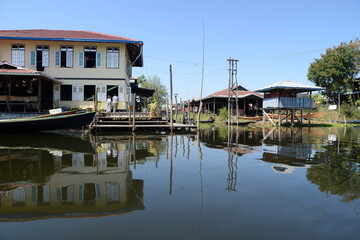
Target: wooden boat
pixel 37 124
pixel 254 118
pixel 210 120
pixel 239 123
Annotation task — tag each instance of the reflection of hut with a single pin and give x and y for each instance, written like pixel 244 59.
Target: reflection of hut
pixel 24 90
pixel 287 96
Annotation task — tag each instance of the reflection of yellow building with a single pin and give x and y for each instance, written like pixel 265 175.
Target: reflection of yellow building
pixel 80 184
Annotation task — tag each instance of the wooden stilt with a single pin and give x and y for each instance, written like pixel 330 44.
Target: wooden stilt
pixel 279 117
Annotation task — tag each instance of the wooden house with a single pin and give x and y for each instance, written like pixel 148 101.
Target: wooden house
pixel 248 102
pixel 287 96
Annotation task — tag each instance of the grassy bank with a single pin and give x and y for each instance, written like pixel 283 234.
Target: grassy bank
pixel 322 117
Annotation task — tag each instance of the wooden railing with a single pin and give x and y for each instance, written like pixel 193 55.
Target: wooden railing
pixel 26 101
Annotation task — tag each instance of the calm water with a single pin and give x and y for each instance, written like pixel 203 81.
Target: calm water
pixel 219 184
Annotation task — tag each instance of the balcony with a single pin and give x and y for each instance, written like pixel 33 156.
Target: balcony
pixel 286 102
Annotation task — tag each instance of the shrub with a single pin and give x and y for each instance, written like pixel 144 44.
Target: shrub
pixel 350 111
pixel 223 113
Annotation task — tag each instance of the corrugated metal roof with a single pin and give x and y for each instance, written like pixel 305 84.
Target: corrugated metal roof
pixel 63 35
pixel 289 85
pixel 241 94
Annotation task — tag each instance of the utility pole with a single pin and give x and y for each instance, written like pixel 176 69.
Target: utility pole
pixel 233 84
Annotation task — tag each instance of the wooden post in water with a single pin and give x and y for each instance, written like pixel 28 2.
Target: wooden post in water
pixel 39 94
pixel 279 117
pixel 134 95
pixel 171 93
pixel 176 108
pixel 183 112
pixel 8 84
pixel 167 110
pixel 129 96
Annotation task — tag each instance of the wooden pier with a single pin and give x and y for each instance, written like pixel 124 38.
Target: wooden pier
pixel 124 121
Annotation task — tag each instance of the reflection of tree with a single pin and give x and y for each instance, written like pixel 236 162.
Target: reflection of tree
pixel 340 173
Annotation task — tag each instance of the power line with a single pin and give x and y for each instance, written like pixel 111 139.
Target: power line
pixel 242 59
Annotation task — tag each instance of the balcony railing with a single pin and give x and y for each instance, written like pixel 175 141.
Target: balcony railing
pixel 286 102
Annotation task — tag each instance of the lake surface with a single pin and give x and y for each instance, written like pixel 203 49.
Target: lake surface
pixel 222 183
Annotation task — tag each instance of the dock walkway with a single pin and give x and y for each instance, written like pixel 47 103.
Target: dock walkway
pixel 123 121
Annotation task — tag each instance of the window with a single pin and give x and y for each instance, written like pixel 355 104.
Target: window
pixel 65 93
pixel 66 56
pixel 112 57
pixel 90 57
pixel 42 57
pixel 18 54
pixel 89 92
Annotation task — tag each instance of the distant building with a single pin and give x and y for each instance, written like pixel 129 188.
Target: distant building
pixel 63 68
pixel 248 102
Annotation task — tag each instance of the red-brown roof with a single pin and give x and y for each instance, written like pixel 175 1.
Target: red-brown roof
pixel 241 94
pixel 8 70
pixel 65 35
pixel 17 71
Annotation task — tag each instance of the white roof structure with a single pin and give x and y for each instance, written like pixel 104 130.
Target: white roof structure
pixel 289 85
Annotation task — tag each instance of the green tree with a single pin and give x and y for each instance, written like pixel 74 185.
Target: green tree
pixel 337 69
pixel 160 95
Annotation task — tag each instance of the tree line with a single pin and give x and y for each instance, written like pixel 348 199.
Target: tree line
pixel 338 71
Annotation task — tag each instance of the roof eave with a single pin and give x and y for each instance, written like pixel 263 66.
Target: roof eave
pixel 72 40
pixel 288 89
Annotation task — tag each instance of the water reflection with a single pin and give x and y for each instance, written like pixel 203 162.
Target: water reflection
pixel 57 176
pixel 198 181
pixel 339 173
pixel 331 156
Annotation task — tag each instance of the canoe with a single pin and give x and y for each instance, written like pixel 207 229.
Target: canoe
pixel 239 123
pixel 36 124
pixel 207 121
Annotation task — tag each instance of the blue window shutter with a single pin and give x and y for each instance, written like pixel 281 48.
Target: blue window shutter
pixel 81 59
pixel 81 192
pixel 98 59
pixel 57 58
pixel 32 58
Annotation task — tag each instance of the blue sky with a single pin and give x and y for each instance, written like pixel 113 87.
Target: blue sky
pixel 273 40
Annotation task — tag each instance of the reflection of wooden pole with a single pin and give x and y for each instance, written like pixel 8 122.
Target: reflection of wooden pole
pixel 188 147
pixel 183 145
pixel 133 149
pixel 167 148
pixel 176 146
pixel 171 164
pixel 199 147
pixel 171 107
